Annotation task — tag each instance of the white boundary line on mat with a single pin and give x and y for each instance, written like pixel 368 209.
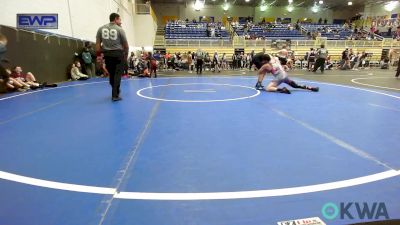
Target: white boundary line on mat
pixel 200 196
pixel 208 195
pixel 355 80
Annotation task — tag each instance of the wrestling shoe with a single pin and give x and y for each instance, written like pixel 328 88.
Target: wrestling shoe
pixel 259 87
pixel 284 90
pixel 114 99
pixel 315 89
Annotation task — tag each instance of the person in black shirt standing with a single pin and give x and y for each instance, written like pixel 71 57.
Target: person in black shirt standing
pixel 111 40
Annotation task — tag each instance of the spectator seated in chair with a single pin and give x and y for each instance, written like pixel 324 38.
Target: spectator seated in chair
pixel 143 69
pixel 385 63
pixel 328 63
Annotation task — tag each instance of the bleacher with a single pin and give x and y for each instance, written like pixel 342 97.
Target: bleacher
pixel 335 44
pixel 336 52
pixel 272 33
pixel 192 31
pixel 337 31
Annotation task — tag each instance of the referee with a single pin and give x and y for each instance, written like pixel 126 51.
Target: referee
pixel 111 41
pixel 322 54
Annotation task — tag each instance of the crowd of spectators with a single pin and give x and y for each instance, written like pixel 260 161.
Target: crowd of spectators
pixel 13 78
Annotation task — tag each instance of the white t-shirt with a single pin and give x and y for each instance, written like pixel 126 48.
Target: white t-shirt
pixel 277 70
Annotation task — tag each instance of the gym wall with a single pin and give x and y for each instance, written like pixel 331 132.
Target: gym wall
pixel 47 58
pixel 78 19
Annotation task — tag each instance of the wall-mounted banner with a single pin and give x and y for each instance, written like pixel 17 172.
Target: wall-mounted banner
pixel 37 21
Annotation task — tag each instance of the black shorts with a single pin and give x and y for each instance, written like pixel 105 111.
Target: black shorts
pixel 257 63
pixel 282 60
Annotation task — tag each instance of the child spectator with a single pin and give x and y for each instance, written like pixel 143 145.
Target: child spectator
pixel 131 60
pixel 8 83
pixel 27 78
pixel 76 73
pixel 101 69
pixel 153 65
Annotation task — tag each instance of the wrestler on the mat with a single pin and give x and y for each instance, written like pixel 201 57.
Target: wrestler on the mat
pixel 273 66
pixel 283 56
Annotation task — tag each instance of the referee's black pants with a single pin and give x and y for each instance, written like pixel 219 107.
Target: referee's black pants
pixel 115 63
pixel 199 66
pixel 319 63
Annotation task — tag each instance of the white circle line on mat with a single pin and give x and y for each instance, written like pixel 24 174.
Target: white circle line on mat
pixel 139 93
pixel 356 81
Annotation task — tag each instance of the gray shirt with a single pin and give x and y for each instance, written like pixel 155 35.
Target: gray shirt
pixel 322 53
pixel 199 54
pixel 112 37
